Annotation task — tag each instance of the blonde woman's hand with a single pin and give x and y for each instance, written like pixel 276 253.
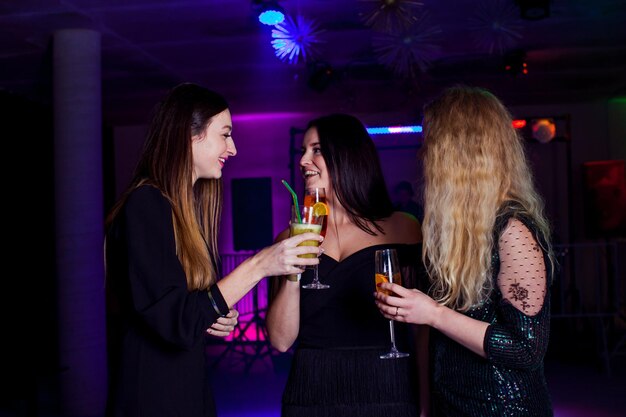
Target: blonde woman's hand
pixel 406 305
pixel 224 325
pixel 282 258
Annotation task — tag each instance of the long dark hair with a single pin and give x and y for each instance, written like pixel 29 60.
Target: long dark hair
pixel 166 163
pixel 354 169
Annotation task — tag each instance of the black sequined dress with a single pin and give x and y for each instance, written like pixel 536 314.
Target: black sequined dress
pixel 336 369
pixel 510 382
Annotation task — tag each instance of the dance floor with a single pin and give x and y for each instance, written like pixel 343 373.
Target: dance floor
pixel 579 387
pixel 248 380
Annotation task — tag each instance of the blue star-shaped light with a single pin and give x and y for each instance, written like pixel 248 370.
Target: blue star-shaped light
pixel 296 40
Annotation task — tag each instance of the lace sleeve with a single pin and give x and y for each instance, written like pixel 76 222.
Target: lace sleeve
pixel 519 337
pixel 522 277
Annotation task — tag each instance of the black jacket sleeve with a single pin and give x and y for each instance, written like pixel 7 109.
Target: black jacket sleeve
pixel 157 282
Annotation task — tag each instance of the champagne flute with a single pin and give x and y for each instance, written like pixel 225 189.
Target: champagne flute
pixel 387 269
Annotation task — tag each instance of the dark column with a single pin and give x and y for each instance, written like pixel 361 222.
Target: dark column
pixel 79 221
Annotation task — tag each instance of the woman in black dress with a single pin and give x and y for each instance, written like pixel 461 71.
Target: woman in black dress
pixel 487 251
pixel 163 293
pixel 338 332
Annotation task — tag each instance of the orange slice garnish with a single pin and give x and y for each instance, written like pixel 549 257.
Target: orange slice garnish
pixel 321 209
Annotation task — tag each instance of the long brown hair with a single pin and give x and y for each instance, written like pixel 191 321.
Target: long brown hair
pixel 474 162
pixel 354 169
pixel 167 163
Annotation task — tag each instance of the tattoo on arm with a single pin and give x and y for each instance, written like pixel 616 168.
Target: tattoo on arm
pixel 519 293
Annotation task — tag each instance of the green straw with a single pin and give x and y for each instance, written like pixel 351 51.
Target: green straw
pixel 295 199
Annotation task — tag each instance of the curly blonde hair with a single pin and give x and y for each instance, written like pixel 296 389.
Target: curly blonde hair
pixel 474 162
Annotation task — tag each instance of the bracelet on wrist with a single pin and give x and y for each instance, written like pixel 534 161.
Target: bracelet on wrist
pixel 220 311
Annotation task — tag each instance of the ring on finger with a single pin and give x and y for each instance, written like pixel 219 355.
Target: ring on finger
pixel 397 308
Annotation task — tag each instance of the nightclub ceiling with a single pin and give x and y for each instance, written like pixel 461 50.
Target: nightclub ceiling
pixel 349 55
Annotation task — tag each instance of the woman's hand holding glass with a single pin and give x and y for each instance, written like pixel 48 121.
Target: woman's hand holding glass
pixel 285 257
pixel 406 305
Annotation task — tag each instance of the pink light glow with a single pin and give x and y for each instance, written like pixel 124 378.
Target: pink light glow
pixel 250 117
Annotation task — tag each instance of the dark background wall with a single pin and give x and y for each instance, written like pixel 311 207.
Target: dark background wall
pixel 28 297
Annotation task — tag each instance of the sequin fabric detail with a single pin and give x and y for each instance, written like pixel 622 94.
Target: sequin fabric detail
pixel 510 382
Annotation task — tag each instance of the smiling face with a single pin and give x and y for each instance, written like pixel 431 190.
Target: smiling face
pixel 312 164
pixel 212 148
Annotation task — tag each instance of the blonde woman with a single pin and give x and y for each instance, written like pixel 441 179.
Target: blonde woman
pixel 486 248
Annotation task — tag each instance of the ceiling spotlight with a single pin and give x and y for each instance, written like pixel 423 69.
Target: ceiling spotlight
pixel 270 13
pixel 534 9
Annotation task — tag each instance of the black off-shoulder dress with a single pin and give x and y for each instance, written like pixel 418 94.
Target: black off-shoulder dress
pixel 336 370
pixel 156 327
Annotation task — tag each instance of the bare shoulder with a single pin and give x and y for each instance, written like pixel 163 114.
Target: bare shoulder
pixel 404 227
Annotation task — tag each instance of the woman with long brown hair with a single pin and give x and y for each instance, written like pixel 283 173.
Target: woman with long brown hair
pixel 163 293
